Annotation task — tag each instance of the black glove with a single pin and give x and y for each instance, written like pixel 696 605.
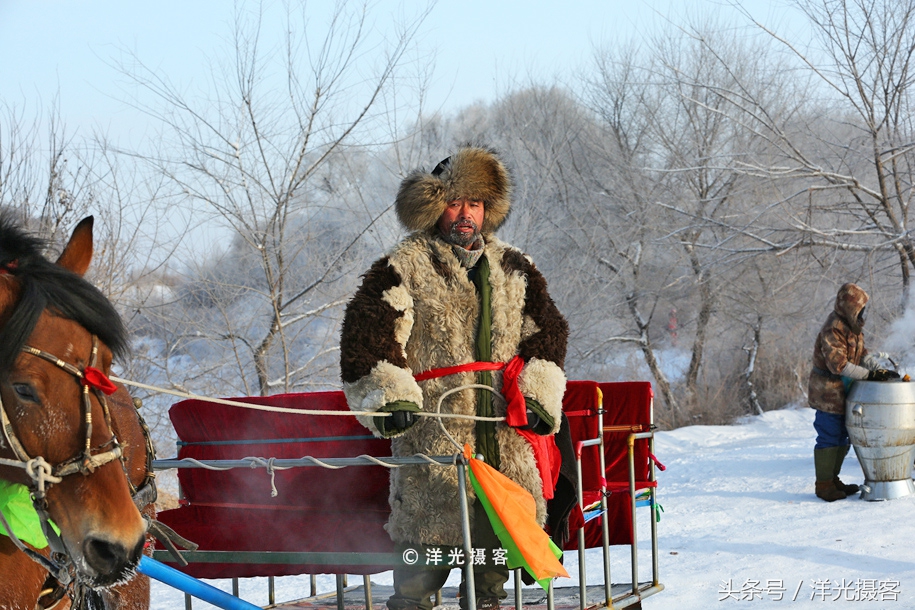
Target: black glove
pixel 882 375
pixel 538 419
pixel 401 419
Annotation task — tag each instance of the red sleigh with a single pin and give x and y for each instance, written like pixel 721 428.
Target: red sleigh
pixel 332 520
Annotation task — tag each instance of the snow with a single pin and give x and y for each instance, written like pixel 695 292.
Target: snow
pixel 739 506
pixel 740 528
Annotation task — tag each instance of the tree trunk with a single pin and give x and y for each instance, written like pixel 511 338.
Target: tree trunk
pixel 652 362
pixel 260 356
pixel 702 322
pixel 752 352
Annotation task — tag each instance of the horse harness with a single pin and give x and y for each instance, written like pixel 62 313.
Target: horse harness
pixel 43 475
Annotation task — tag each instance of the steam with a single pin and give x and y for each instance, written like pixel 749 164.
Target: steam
pixel 900 340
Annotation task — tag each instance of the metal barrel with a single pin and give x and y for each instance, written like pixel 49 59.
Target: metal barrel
pixel 880 417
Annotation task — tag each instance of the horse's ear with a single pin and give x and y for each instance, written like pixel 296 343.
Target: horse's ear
pixel 77 253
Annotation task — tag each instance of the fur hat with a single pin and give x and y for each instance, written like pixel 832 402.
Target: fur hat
pixel 472 173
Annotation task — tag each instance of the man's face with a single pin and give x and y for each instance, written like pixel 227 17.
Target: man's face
pixel 461 221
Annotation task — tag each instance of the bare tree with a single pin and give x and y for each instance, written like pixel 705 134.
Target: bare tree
pixel 270 159
pixel 694 142
pixel 676 171
pixel 623 190
pixel 852 152
pixel 41 175
pixel 53 179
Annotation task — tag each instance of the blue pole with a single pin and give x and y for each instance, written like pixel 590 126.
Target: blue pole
pixel 191 586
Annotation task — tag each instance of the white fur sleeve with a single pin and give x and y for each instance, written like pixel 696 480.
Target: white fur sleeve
pixel 545 382
pixel 385 383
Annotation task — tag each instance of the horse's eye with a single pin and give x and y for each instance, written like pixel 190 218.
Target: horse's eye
pixel 25 391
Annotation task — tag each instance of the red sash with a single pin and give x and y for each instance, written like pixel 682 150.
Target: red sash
pixel 546 453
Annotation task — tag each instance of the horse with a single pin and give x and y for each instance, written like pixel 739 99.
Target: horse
pixel 62 435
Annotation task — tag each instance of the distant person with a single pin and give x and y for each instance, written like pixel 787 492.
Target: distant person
pixel 672 326
pixel 450 296
pixel 838 356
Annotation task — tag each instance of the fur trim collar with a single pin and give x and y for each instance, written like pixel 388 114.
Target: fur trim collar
pixel 474 173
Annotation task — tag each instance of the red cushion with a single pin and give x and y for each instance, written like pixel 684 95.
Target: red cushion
pixel 316 509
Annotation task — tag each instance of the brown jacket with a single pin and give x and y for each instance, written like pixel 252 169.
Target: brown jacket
pixel 841 340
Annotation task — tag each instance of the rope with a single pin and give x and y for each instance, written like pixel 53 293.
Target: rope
pixel 661 466
pixel 270 465
pixel 200 464
pixel 41 472
pixel 245 405
pixel 271 470
pixel 16 463
pixel 255 462
pixel 469 386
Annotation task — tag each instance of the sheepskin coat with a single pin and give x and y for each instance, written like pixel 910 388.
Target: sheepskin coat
pixel 417 310
pixel 840 341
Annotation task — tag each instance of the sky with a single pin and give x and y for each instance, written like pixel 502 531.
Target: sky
pixel 65 50
pixel 60 57
pixel 738 509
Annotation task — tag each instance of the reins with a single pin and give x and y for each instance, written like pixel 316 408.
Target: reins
pixel 272 409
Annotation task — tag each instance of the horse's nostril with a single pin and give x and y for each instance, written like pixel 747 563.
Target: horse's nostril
pixel 102 555
pixel 108 558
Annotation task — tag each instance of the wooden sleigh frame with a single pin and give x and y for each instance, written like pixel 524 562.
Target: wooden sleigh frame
pixel 612 430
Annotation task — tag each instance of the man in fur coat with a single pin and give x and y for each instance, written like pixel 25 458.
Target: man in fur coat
pixel 839 358
pixel 451 294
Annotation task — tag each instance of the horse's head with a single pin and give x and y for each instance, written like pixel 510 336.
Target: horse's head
pixel 58 334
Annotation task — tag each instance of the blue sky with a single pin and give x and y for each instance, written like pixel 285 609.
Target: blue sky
pixel 64 48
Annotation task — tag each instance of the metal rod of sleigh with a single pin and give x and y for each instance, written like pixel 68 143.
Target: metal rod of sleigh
pixel 269 494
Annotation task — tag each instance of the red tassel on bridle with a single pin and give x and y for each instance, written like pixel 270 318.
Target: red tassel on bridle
pixel 96 379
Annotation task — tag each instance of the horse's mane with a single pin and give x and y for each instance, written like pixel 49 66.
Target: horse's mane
pixel 45 285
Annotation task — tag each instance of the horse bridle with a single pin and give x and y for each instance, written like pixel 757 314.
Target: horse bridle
pixel 86 462
pixel 44 475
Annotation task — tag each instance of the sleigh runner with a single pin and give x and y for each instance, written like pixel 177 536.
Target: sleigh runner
pixel 325 513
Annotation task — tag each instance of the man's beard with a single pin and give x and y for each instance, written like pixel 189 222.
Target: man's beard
pixel 462 239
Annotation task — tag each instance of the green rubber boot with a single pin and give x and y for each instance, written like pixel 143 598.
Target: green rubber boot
pixel 824 462
pixel 851 489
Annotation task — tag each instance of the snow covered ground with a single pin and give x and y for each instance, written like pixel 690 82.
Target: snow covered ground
pixel 741 528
